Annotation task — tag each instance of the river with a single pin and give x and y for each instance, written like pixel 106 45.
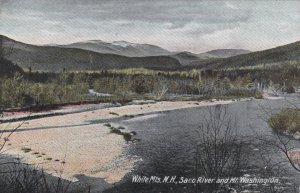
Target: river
pixel 168 141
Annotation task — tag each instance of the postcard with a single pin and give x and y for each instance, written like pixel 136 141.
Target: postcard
pixel 136 96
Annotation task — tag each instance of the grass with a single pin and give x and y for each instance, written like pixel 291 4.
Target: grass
pixel 107 125
pixel 129 116
pixel 121 128
pixel 287 120
pixel 26 149
pixel 115 131
pixel 113 113
pixel 127 136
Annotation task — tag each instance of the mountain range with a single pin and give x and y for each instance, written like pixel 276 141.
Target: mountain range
pixel 119 48
pixel 100 55
pixel 55 58
pixel 142 50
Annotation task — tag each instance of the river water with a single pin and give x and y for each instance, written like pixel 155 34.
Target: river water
pixel 168 141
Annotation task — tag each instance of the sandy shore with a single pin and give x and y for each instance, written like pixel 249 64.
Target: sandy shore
pixel 69 145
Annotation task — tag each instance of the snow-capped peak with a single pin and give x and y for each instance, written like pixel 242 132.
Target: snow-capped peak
pixel 122 43
pixel 95 41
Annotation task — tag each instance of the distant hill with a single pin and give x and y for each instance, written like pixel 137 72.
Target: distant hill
pixel 53 58
pixel 141 50
pixel 225 53
pixel 120 48
pixel 186 58
pixel 289 52
pixel 8 68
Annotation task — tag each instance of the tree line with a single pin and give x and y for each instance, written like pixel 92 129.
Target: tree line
pixel 40 88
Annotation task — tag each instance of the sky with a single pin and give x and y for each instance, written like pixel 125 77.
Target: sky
pixel 177 25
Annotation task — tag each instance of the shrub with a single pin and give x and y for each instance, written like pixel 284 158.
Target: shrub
pixel 127 136
pixel 258 95
pixel 115 130
pixel 21 178
pixel 289 89
pixel 286 120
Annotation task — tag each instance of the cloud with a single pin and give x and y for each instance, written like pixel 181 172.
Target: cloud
pixel 178 13
pixel 195 25
pixel 231 5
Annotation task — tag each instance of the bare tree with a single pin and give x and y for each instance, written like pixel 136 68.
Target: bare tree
pixel 161 88
pixel 220 151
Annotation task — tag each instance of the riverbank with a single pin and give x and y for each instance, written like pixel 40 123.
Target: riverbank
pixel 80 144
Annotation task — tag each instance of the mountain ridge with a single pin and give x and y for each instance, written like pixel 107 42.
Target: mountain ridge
pixel 123 48
pixel 52 58
pixel 226 53
pixel 130 49
pixel 279 54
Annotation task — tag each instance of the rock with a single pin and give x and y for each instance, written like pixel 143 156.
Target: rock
pixel 297 135
pixel 133 133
